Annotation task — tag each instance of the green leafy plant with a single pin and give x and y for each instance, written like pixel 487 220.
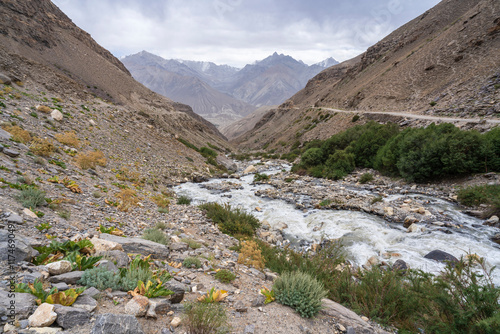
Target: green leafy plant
pixel 269 294
pixel 65 298
pixel 213 296
pixel 191 243
pixel 82 263
pixel 101 279
pixel 110 230
pixel 192 262
pixel 205 318
pixel 151 290
pixel 225 276
pixel 260 177
pixel 43 227
pixel 300 291
pixel 36 289
pixel 365 178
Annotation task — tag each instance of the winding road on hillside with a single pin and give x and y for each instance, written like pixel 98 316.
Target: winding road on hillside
pixel 425 117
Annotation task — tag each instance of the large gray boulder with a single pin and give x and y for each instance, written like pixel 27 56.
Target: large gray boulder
pixel 69 317
pixel 139 246
pixel 228 163
pixel 24 306
pixel 440 256
pixel 68 278
pixel 18 250
pixel 178 288
pixel 116 324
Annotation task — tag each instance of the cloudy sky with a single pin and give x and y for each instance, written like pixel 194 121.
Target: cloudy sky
pixel 238 32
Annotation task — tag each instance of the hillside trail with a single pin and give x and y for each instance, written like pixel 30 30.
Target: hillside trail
pixel 423 117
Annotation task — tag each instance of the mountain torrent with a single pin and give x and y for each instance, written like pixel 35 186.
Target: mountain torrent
pixel 444 62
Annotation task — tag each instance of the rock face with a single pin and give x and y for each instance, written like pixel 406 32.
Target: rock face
pixel 101 245
pixel 22 250
pixel 116 324
pixel 441 256
pixel 178 289
pixel 139 246
pixel 25 304
pixel 68 278
pixel 44 316
pixel 68 317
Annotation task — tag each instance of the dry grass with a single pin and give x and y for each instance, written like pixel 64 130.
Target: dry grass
pixel 18 134
pixel 90 159
pixel 68 138
pixel 42 147
pixel 44 109
pixel 128 198
pixel 251 255
pixel 161 200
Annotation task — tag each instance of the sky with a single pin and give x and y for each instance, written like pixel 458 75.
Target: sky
pixel 239 32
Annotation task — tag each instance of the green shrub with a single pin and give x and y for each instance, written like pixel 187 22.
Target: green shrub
pixel 101 279
pixel 155 235
pixel 191 243
pixel 485 194
pixel 312 157
pixel 355 118
pixel 234 222
pixel 365 178
pixel 31 197
pixel 300 291
pixel 188 144
pixel 260 177
pixel 205 318
pixel 207 153
pixel 132 275
pixel 225 276
pixel 191 262
pixel 184 200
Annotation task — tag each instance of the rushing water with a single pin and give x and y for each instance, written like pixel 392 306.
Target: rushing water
pixel 363 235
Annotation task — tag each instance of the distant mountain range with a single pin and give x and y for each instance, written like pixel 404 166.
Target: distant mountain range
pixel 220 93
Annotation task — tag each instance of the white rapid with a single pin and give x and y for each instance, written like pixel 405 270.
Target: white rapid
pixel 363 235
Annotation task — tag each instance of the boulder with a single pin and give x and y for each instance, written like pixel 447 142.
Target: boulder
pixel 226 162
pixel 389 211
pixel 68 317
pixel 108 265
pixel 68 278
pixel 347 317
pixel 409 220
pixel 5 80
pixel 161 305
pixel 139 246
pixel 493 221
pixel 101 245
pixel 56 115
pixel 250 169
pixel 137 306
pixel 120 257
pixel 25 305
pixel 178 288
pixel 43 316
pixel 496 238
pixel 4 135
pixel 413 228
pixel 85 303
pixel 440 256
pixel 176 321
pixel 59 267
pixel 22 250
pixel 116 324
pixel 400 265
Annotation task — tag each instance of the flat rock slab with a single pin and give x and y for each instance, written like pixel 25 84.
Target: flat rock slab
pixel 25 304
pixel 139 246
pixel 11 153
pixel 69 317
pixel 348 318
pixel 116 324
pixel 68 278
pixel 440 256
pixel 86 303
pixel 22 250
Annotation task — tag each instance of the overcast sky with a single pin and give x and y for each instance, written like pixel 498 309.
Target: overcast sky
pixel 238 32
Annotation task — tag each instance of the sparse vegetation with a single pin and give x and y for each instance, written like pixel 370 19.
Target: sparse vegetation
pixel 191 243
pixel 485 194
pixel 18 133
pixel 42 147
pixel 225 276
pixel 68 138
pixel 90 159
pixel 365 178
pixel 205 318
pixel 155 235
pixel 31 197
pixel 260 177
pixel 128 199
pixel 183 200
pixel 192 262
pixel 251 255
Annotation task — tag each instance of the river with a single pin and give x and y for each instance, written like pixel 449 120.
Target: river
pixel 364 235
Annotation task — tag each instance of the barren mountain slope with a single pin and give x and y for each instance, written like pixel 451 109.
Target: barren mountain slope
pixel 37 32
pixel 445 60
pixel 244 125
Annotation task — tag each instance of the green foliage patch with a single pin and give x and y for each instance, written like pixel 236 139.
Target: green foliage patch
pixel 235 222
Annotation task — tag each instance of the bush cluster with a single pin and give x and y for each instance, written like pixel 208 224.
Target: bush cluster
pixel 485 194
pixel 235 222
pixel 300 291
pixel 225 276
pixel 192 262
pixel 416 154
pixel 155 235
pixel 205 318
pixel 90 159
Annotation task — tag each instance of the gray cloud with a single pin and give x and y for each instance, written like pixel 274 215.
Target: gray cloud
pixel 238 32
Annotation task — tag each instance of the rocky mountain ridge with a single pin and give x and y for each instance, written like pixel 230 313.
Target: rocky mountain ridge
pixel 442 63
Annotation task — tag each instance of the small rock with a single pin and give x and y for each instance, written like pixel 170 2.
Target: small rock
pixel 400 265
pixel 496 238
pixel 5 80
pixel 249 329
pixel 30 213
pixel 441 256
pixel 176 321
pixel 250 169
pixel 493 221
pixel 389 211
pixel 101 245
pixel 108 265
pixel 137 306
pixel 61 286
pixel 44 316
pixel 413 228
pixel 86 303
pixel 56 115
pixel 341 328
pixel 11 152
pixel 59 267
pixel 14 219
pixel 68 278
pixel 409 220
pixel 120 257
pixel 240 307
pixel 179 289
pixel 151 310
